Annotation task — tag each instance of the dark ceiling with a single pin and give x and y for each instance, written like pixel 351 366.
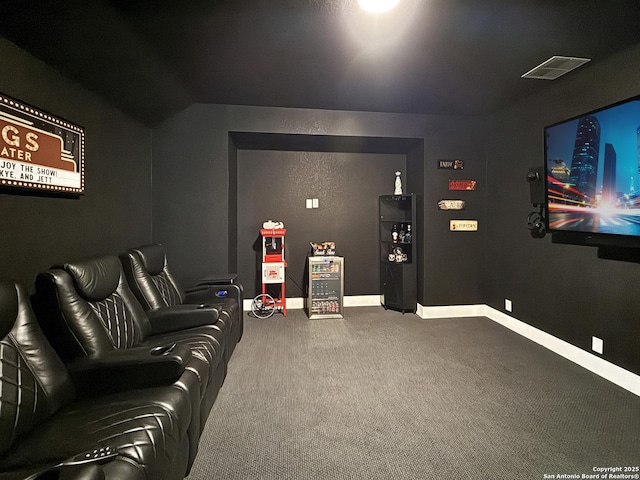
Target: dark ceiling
pixel 459 57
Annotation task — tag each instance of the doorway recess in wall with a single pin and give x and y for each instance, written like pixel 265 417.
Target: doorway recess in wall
pixel 251 146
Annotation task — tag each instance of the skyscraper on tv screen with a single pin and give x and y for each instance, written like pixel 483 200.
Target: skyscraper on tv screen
pixel 609 194
pixel 638 132
pixel 584 164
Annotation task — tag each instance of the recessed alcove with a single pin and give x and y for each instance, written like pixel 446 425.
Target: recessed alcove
pixel 275 172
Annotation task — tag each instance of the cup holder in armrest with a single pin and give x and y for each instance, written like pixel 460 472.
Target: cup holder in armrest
pixel 163 349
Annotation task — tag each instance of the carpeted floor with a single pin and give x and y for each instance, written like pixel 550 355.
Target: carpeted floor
pixel 381 395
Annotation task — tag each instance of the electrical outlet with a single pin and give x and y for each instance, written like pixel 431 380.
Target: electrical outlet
pixel 597 345
pixel 508 306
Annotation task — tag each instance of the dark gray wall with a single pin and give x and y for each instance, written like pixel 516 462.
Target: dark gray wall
pixel 194 188
pixel 115 212
pixel 275 184
pixel 564 290
pixel 454 261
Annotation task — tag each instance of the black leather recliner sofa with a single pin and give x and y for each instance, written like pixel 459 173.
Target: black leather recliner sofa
pixel 90 316
pixel 151 281
pixel 46 426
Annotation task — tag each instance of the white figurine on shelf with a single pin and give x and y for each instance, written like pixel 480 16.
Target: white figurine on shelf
pixel 398 184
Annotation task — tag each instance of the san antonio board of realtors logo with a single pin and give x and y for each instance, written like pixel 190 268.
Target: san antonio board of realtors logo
pixel 39 151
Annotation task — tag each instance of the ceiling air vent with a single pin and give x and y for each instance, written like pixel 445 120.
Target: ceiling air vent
pixel 555 67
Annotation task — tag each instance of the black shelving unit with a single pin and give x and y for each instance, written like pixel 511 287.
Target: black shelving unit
pixel 398 255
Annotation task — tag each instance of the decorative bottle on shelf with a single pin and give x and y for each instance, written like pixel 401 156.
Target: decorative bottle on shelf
pixel 401 234
pixel 394 233
pixel 407 235
pixel 397 184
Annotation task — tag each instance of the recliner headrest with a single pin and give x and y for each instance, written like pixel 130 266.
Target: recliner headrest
pixel 96 279
pixel 153 258
pixel 8 307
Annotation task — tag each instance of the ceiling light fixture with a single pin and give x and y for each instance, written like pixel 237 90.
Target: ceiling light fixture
pixel 377 6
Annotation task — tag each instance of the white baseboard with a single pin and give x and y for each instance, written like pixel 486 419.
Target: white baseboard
pixel 362 301
pixel 607 370
pixel 452 311
pixel 615 374
pixel 297 303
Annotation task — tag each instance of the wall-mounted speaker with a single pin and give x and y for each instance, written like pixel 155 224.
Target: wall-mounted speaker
pixel 535 221
pixel 536 224
pixel 535 178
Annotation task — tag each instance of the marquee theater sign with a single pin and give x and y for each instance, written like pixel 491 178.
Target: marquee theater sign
pixel 39 151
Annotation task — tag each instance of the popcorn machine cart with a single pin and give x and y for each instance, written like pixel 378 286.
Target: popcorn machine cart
pixel 272 297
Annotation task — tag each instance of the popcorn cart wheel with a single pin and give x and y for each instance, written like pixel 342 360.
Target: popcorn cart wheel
pixel 263 306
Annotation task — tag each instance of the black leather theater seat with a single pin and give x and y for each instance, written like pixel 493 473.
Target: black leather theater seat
pixel 150 279
pixel 86 309
pixel 136 434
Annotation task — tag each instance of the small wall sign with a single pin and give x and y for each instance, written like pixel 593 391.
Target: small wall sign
pixel 451 164
pixel 39 151
pixel 451 204
pixel 462 184
pixel 273 272
pixel 463 225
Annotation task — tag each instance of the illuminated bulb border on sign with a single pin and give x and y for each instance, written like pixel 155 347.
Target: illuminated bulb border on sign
pixel 55 120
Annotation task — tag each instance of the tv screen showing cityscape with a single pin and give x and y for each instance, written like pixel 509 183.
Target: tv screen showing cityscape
pixel 593 171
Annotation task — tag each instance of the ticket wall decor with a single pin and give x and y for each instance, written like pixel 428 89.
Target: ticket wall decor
pixel 463 225
pixel 39 152
pixel 451 164
pixel 451 204
pixel 462 184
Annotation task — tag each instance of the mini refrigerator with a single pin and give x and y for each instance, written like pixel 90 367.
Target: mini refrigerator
pixel 326 287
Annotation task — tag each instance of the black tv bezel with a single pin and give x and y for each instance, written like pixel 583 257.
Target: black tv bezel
pixel 594 239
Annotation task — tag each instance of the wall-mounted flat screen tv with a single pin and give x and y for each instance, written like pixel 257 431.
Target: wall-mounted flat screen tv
pixel 593 174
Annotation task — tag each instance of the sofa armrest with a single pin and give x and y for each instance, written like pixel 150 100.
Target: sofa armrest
pixel 84 472
pixel 92 470
pixel 214 294
pixel 83 466
pixel 127 369
pixel 182 317
pixel 57 472
pixel 219 279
